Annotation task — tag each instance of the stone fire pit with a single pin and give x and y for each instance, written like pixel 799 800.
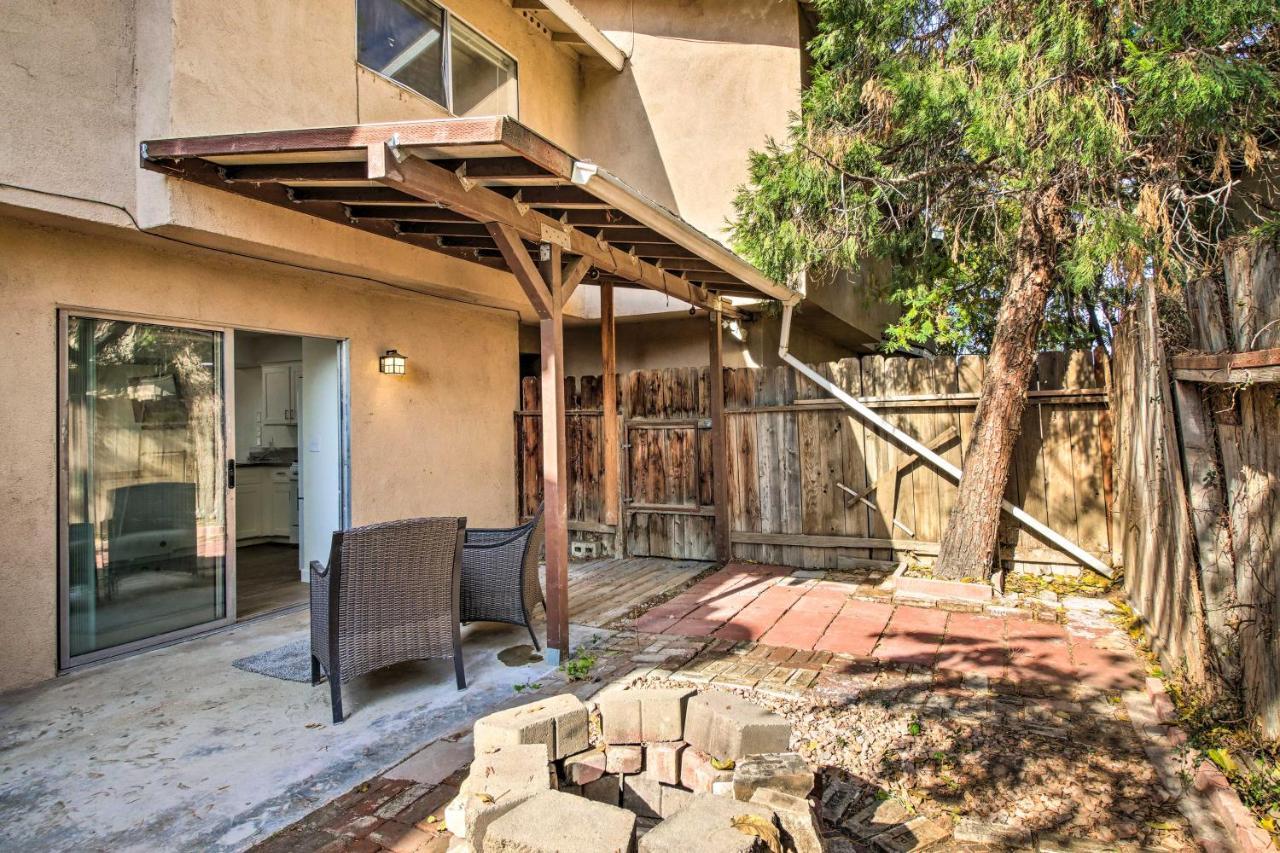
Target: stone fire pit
pixel 667 769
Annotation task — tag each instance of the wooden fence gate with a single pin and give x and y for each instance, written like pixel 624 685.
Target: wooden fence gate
pixel 809 485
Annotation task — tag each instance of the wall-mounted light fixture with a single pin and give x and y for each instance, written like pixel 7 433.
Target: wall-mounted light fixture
pixel 392 363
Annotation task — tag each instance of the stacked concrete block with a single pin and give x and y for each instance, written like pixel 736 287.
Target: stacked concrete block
pixel 642 796
pixel 712 825
pixel 730 728
pixel 607 789
pixel 674 798
pixel 801 830
pixel 644 716
pixel 501 778
pixel 558 722
pixel 780 771
pixel 554 822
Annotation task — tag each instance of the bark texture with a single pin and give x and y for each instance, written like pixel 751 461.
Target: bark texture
pixel 969 544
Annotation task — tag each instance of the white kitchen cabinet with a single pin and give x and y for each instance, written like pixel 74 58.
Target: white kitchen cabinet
pixel 281 504
pixel 250 503
pixel 266 502
pixel 281 393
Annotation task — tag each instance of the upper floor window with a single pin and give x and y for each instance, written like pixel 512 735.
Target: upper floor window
pixel 422 46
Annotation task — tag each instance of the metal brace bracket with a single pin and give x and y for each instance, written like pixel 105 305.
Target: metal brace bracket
pixel 518 198
pixel 467 183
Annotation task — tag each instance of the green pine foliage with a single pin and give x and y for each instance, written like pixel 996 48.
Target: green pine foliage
pixel 929 122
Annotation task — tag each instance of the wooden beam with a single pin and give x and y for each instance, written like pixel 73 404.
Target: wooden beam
pixel 495 133
pixel 572 277
pixel 525 271
pixel 258 173
pixel 555 476
pixel 1223 376
pixel 1228 360
pixel 1229 368
pixel 559 197
pixel 719 444
pixel 417 177
pixel 406 213
pixel 498 169
pixel 567 38
pixel 348 195
pixel 609 402
pixel 443 229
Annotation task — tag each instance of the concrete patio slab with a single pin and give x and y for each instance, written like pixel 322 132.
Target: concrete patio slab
pixel 177 749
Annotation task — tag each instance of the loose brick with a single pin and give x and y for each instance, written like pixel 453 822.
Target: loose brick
pixel 697 773
pixel 623 758
pixel 662 761
pixel 584 767
pixel 801 829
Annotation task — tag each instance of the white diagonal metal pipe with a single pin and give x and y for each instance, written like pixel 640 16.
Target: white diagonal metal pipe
pixel 867 414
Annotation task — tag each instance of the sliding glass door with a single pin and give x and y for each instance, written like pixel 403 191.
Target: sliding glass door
pixel 144 492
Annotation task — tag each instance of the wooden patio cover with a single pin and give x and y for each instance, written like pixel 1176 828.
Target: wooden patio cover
pixel 490 191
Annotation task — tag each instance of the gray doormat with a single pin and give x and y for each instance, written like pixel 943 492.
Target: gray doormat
pixel 290 662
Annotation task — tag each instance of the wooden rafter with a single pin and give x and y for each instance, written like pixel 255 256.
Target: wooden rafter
pixel 417 177
pixel 574 273
pixel 523 268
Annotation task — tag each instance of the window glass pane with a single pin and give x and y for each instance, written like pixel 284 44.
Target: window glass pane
pixel 146 497
pixel 404 40
pixel 484 78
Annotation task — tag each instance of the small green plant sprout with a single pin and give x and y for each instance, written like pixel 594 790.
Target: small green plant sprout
pixel 578 667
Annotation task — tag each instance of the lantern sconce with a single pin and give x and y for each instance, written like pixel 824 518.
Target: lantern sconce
pixel 392 363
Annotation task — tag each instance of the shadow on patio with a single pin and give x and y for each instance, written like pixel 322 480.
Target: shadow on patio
pixel 177 748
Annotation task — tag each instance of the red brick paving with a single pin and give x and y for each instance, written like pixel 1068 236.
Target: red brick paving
pixel 763 604
pixel 974 644
pixel 912 636
pixel 856 629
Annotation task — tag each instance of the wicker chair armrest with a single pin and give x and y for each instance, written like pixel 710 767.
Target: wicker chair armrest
pixel 515 536
pixel 319 571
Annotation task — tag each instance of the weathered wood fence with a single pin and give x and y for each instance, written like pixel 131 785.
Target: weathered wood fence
pixel 809 484
pixel 1198 464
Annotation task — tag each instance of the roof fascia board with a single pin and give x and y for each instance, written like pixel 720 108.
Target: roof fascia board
pixel 587 31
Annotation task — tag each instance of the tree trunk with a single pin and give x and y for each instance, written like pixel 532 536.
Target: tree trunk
pixel 969 544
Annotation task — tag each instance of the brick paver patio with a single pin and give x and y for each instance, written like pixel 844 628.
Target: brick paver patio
pixel 766 604
pixel 1016 701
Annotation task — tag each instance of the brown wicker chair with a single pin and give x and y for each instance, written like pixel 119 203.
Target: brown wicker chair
pixel 500 574
pixel 389 594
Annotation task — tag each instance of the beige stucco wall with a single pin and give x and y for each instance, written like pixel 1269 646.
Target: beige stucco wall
pixel 437 442
pixel 89 79
pixel 706 83
pixel 643 345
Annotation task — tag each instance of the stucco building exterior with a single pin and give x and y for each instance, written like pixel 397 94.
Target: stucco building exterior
pixel 645 89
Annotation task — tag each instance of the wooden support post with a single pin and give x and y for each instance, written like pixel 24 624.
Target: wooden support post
pixel 719 444
pixel 554 462
pixel 609 394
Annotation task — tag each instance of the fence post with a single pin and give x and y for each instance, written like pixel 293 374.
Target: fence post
pixel 719 447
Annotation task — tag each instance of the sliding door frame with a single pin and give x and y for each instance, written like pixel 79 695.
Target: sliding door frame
pixel 65 660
